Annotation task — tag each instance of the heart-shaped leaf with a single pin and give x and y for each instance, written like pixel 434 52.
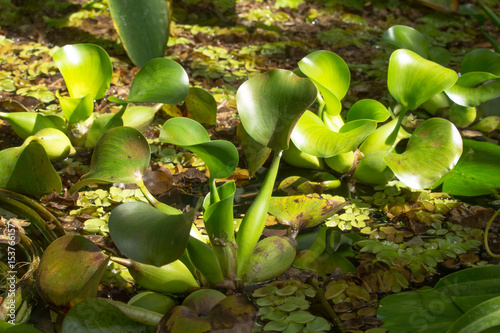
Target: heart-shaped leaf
pixel 143 28
pixel 234 313
pixel 122 155
pixel 27 169
pixel 368 109
pixel 70 271
pixel 147 235
pixel 330 74
pixel 311 136
pixel 433 150
pixel 474 88
pixel 481 60
pixel 161 80
pixel 404 37
pixel 476 173
pixel 412 80
pixel 221 157
pixel 104 315
pixel 300 212
pixel 269 105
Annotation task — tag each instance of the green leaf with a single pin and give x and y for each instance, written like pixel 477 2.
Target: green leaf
pixel 313 137
pixel 6 327
pixel 433 150
pixel 87 70
pixel 147 235
pixel 481 60
pixel 474 88
pixel 255 153
pixel 330 74
pixel 201 106
pixel 221 157
pixel 121 156
pixel 70 271
pixel 412 80
pixel 300 212
pixel 101 315
pixel 379 139
pixel 423 310
pixel 25 124
pixel 28 170
pixel 161 80
pixel 372 169
pixel 476 173
pixel 478 319
pixel 56 144
pixel 269 105
pixel 143 27
pixel 368 109
pixel 101 125
pixel 404 37
pixel 138 117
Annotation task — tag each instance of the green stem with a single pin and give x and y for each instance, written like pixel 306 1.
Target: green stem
pixel 152 200
pixel 254 221
pixel 321 107
pixel 486 246
pixel 394 135
pixel 214 194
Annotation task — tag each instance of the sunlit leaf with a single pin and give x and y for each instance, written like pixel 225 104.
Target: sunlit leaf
pixel 143 27
pixel 221 157
pixel 368 109
pixel 379 139
pixel 474 88
pixel 269 105
pixel 70 271
pixel 433 150
pixel 25 124
pixel 255 153
pixel 76 109
pixel 138 117
pixel 147 235
pixel 28 170
pixel 160 80
pixel 121 156
pixel 300 212
pixel 372 168
pixel 313 137
pixel 404 37
pixel 412 80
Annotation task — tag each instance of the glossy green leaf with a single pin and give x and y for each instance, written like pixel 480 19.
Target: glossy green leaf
pixel 300 212
pixel 154 301
pixel 201 106
pixel 160 80
pixel 143 27
pixel 101 125
pixel 205 260
pixel 474 88
pixel 138 117
pixel 433 149
pixel 87 70
pixel 476 173
pixel 76 109
pixel 28 170
pixel 421 311
pixel 55 143
pixel 269 105
pixel 330 74
pixel 404 37
pixel 221 157
pixel 412 80
pixel 478 319
pixel 70 271
pixel 481 60
pixel 379 139
pixel 368 109
pixel 372 168
pixel 25 124
pixel 102 315
pixel 313 137
pixel 147 235
pixel 295 157
pixel 255 153
pixel 121 156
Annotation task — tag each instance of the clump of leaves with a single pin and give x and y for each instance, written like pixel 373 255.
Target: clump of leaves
pixel 284 307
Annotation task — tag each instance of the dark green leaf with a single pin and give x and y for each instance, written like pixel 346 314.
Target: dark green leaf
pixel 404 37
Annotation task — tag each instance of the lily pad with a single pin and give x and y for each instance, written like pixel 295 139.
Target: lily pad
pixel 300 212
pixel 313 137
pixel 147 235
pixel 121 156
pixel 412 80
pixel 433 149
pixel 70 271
pixel 269 105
